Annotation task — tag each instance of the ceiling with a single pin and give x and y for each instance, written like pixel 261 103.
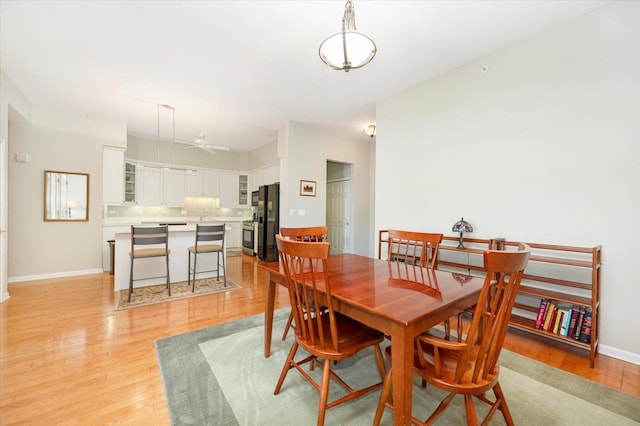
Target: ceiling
pixel 239 70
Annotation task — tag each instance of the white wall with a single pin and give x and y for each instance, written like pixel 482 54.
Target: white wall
pixel 545 147
pixel 266 155
pixel 63 141
pixel 14 105
pixel 307 150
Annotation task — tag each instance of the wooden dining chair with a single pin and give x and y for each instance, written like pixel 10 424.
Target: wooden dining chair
pixel 312 234
pixel 155 240
pixel 327 335
pixel 414 248
pixel 471 368
pixel 209 239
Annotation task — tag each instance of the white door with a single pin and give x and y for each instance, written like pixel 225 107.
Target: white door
pixel 338 214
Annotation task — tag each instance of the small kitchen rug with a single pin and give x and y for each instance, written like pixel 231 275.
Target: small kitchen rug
pixel 152 294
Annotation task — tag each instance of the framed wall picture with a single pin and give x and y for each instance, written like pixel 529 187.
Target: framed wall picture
pixel 308 188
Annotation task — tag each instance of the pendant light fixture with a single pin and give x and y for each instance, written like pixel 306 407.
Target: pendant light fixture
pixel 348 49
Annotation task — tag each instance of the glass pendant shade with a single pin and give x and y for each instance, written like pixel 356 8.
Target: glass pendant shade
pixel 349 48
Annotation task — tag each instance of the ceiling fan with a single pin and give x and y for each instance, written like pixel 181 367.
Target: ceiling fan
pixel 201 143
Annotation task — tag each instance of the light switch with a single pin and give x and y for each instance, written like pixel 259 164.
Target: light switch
pixel 21 157
pixel 292 212
pixel 302 212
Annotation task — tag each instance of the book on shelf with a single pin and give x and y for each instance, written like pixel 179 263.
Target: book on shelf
pixel 554 318
pixel 576 333
pixel 585 329
pixel 558 320
pixel 542 310
pixel 575 311
pixel 548 316
pixel 564 324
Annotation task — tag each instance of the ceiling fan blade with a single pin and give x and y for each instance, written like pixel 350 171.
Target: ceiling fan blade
pixel 202 143
pixel 218 147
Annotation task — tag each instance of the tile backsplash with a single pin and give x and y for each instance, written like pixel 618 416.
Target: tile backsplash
pixel 193 207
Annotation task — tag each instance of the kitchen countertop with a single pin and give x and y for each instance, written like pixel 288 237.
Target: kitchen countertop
pixel 128 221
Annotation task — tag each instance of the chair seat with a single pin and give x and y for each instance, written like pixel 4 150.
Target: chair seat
pixel 150 252
pixel 353 336
pixel 209 248
pixel 449 360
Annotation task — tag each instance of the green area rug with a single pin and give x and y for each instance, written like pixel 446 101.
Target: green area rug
pixel 152 294
pixel 219 376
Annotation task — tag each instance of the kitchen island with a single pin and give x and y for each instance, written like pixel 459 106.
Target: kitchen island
pixel 180 238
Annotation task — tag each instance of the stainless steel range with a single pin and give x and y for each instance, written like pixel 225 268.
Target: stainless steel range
pixel 248 237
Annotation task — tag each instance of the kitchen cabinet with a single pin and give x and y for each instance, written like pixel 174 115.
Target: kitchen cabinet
pixel 202 183
pixel 129 183
pixel 264 176
pixel 233 235
pixel 229 189
pixel 113 175
pixel 173 187
pixel 160 187
pixel 243 190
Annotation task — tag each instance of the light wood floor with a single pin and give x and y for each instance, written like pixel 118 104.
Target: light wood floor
pixel 68 357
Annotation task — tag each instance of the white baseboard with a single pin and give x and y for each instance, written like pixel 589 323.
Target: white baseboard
pixel 5 297
pixel 619 354
pixel 54 275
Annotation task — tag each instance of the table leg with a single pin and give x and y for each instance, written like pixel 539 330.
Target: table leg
pixel 402 374
pixel 270 297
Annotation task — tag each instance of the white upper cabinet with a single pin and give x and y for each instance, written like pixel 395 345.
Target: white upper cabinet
pixel 149 186
pixel 229 189
pixel 202 183
pixel 264 176
pixel 160 187
pixel 193 183
pixel 173 187
pixel 243 190
pixel 112 175
pixel 211 183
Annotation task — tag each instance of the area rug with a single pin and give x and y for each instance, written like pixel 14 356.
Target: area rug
pixel 219 376
pixel 152 294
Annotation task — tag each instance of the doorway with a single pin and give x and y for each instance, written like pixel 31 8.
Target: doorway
pixel 4 174
pixel 339 207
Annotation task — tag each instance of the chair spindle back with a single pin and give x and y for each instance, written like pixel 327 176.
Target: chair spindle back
pixel 304 265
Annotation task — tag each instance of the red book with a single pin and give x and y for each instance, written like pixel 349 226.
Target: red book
pixel 541 311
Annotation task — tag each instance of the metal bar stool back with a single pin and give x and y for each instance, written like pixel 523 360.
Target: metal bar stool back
pixel 155 240
pixel 209 239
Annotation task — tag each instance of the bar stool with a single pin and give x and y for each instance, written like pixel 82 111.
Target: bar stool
pixel 156 236
pixel 213 235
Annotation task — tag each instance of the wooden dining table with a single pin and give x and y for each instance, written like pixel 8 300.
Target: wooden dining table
pixel 400 300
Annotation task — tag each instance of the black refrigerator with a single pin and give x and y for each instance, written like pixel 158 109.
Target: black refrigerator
pixel 268 221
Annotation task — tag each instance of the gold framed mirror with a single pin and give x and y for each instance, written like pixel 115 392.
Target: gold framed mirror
pixel 66 196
